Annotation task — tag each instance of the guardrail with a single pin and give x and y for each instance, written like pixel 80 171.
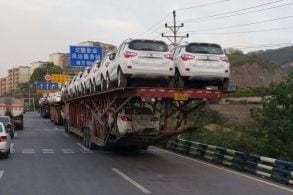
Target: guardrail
pixel 278 170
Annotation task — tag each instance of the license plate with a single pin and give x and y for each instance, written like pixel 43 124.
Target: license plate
pixel 181 96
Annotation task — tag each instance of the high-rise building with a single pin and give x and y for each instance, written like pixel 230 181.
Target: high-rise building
pixel 105 47
pixel 3 86
pixel 59 59
pixel 16 76
pixel 38 64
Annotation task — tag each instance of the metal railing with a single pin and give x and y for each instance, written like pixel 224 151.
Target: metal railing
pixel 277 170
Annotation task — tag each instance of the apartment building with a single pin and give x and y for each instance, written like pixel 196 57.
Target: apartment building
pixel 105 47
pixel 16 76
pixel 35 65
pixel 3 86
pixel 59 59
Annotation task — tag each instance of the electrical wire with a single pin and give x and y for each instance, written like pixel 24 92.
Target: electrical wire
pixel 214 17
pixel 240 25
pixel 204 5
pixel 245 32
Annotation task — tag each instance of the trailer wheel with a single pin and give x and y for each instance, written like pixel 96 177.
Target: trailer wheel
pixel 121 79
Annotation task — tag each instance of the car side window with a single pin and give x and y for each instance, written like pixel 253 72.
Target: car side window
pixel 121 49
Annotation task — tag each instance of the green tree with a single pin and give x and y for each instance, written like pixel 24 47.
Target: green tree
pixel 275 121
pixel 39 73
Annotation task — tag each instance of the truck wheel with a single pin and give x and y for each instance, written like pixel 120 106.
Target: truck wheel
pixel 121 79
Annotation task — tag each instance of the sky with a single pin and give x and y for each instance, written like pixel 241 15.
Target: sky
pixel 30 30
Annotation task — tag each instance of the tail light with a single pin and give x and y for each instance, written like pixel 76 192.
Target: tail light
pixel 3 138
pixel 125 118
pixel 154 119
pixel 186 57
pixel 224 59
pixel 8 126
pixel 169 57
pixel 129 54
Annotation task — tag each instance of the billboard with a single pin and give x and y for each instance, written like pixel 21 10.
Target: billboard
pixel 60 78
pixel 43 87
pixel 84 56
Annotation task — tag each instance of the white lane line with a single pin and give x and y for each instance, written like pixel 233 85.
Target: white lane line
pixel 65 134
pixel 12 148
pixel 234 172
pixel 83 147
pixel 48 151
pixel 140 187
pixel 1 174
pixel 67 151
pixel 28 151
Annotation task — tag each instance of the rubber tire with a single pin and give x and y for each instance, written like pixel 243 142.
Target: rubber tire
pixel 6 154
pixel 225 85
pixel 108 82
pixel 103 84
pixel 179 82
pixel 121 79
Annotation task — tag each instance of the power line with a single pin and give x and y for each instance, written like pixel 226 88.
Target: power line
pixel 181 9
pixel 240 25
pixel 213 17
pixel 258 46
pixel 156 24
pixel 204 5
pixel 245 32
pixel 174 29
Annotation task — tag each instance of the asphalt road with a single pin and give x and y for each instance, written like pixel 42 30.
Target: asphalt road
pixel 45 160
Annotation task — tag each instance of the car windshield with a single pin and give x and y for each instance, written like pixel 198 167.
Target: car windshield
pixel 148 46
pixel 138 111
pixel 4 119
pixel 204 48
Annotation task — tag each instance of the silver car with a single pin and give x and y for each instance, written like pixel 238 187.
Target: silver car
pixel 5 141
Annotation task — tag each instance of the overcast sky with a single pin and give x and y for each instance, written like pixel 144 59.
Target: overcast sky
pixel 32 29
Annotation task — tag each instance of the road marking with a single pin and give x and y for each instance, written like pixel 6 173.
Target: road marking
pixel 15 134
pixel 28 151
pixel 65 134
pixel 1 174
pixel 140 187
pixel 56 129
pixel 222 168
pixel 67 151
pixel 82 147
pixel 48 151
pixel 12 148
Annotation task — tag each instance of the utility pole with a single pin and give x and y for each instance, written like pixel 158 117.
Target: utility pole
pixel 174 29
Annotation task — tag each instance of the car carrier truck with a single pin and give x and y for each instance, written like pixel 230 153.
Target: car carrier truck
pixel 13 107
pixel 94 117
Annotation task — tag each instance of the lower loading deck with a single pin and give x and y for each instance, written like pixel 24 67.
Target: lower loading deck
pixel 94 116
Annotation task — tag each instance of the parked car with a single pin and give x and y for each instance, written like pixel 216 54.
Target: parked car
pixel 136 119
pixel 8 125
pixel 81 90
pixel 72 85
pixel 138 58
pixel 90 80
pixel 5 141
pixel 201 65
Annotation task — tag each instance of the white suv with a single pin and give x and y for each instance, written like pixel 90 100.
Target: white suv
pixel 144 59
pixel 201 65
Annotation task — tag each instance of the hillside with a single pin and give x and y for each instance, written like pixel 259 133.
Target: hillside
pixel 282 56
pixel 251 71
